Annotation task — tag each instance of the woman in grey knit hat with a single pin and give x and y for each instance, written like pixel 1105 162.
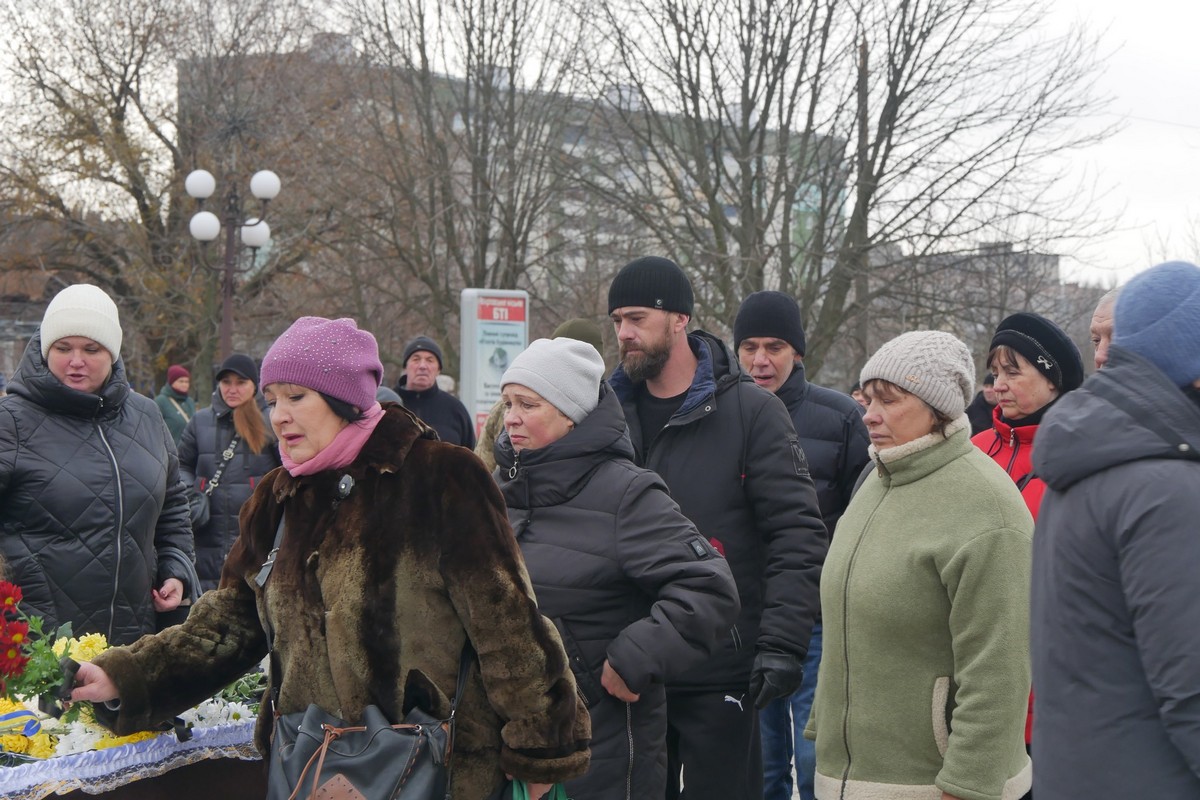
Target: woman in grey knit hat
pixel 924 596
pixel 636 593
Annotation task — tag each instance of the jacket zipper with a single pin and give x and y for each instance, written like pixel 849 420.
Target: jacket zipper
pixel 112 457
pixel 629 736
pixel 1016 446
pixel 846 648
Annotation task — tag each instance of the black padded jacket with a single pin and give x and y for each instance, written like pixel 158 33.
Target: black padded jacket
pixel 90 498
pixel 625 577
pixel 733 462
pixel 200 452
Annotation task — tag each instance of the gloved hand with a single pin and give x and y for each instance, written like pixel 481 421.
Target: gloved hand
pixel 774 675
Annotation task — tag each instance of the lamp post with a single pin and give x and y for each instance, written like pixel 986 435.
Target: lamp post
pixel 206 226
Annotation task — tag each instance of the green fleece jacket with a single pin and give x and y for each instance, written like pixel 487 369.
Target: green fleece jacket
pixel 925 595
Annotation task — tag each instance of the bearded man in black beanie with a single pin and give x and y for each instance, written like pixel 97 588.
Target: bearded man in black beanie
pixel 731 458
pixel 769 339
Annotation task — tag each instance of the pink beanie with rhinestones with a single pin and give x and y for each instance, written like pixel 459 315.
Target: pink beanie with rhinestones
pixel 331 356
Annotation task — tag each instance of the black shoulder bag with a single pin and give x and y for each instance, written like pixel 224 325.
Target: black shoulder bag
pixel 316 755
pixel 199 501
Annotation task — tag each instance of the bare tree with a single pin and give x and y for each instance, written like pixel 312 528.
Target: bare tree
pixel 823 146
pixel 91 152
pixel 451 178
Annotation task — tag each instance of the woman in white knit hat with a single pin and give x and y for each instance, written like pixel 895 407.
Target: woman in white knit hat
pixel 636 593
pixel 94 521
pixel 925 673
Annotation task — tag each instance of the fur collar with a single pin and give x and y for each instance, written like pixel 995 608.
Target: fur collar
pixel 385 451
pixel 893 454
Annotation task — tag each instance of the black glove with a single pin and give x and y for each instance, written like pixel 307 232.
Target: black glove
pixel 774 675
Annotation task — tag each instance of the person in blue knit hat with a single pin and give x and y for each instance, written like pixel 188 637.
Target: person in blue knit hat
pixel 1114 640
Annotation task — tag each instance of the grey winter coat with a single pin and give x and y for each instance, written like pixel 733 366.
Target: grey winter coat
pixel 625 577
pixel 200 452
pixel 731 459
pixel 1115 638
pixel 90 497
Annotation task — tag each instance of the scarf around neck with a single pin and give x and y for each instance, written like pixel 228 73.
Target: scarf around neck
pixel 342 451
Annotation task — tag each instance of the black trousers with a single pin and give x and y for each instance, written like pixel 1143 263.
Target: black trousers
pixel 713 739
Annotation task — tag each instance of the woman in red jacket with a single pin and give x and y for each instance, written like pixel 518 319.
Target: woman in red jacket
pixel 1034 363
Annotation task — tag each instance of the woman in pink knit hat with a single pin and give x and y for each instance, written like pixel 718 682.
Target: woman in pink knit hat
pixel 393 553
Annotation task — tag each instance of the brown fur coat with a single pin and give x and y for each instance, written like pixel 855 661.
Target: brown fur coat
pixel 375 594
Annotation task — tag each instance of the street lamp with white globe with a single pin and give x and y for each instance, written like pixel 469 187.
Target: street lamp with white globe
pixel 254 233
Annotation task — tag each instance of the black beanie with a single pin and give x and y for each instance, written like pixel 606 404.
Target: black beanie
pixel 774 315
pixel 239 364
pixel 422 343
pixel 651 282
pixel 1044 345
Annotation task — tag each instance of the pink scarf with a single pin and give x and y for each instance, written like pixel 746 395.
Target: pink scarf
pixel 342 451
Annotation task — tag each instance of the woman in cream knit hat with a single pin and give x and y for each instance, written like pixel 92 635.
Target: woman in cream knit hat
pixel 635 592
pixel 94 521
pixel 924 595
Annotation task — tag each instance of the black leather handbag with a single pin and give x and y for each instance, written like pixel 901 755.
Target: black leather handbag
pixel 317 756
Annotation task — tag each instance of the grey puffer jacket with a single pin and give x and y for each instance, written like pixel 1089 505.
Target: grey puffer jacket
pixel 1114 637
pixel 90 497
pixel 626 577
pixel 731 459
pixel 200 452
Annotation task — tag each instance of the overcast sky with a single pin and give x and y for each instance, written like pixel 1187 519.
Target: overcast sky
pixel 1151 168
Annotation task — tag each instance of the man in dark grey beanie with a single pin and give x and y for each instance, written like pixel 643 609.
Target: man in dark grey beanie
pixel 769 339
pixel 420 393
pixel 731 458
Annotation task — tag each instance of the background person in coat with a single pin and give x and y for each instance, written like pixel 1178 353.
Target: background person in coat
pixel 925 599
pixel 375 588
pixel 1115 640
pixel 237 407
pixel 1100 329
pixel 94 520
pixel 769 339
pixel 420 393
pixel 634 590
pixel 729 455
pixel 1034 363
pixel 176 405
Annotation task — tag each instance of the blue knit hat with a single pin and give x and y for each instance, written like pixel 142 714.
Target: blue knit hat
pixel 1158 317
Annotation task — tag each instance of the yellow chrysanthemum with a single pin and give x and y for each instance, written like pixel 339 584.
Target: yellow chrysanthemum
pixel 14 743
pixel 85 648
pixel 7 705
pixel 41 745
pixel 106 742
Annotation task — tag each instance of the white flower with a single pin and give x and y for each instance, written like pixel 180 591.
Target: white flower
pixel 79 738
pixel 240 712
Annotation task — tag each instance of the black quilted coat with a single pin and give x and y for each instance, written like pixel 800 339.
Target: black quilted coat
pixel 200 450
pixel 89 495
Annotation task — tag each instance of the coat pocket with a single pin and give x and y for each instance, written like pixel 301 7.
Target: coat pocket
pixel 586 680
pixel 940 714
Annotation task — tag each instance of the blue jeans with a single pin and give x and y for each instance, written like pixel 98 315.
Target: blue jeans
pixel 782 724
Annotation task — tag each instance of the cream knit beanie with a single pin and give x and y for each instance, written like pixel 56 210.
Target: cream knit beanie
pixel 566 372
pixel 933 365
pixel 82 310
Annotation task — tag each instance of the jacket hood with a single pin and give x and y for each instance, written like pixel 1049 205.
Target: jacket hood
pixel 34 382
pixel 553 474
pixel 1127 411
